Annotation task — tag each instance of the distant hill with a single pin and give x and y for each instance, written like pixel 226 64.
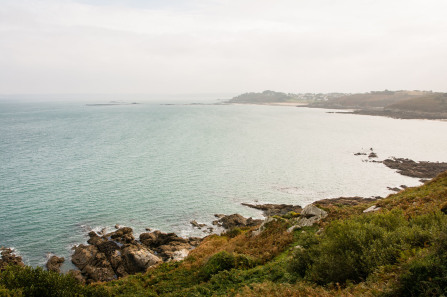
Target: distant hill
pixel 436 102
pixel 395 104
pixel 278 97
pixel 375 99
pixel 264 97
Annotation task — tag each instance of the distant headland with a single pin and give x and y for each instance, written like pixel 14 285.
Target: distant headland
pixel 395 104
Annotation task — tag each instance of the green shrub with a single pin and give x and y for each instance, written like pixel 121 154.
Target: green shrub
pixel 38 282
pixel 233 232
pixel 352 249
pixel 225 261
pixel 426 275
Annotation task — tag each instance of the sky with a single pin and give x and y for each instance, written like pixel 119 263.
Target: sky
pixel 221 46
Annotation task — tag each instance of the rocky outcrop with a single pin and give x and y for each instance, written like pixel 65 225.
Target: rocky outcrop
pixel 137 258
pixel 235 220
pixel 411 168
pixel 309 216
pixel 169 246
pixel 275 209
pixel 55 263
pixel 118 253
pixel 263 226
pixel 9 258
pixel 348 201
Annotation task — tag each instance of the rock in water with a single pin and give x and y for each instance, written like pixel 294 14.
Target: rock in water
pixel 55 263
pixel 9 258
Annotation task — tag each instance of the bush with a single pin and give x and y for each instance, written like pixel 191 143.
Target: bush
pixel 353 249
pixel 233 232
pixel 38 282
pixel 225 261
pixel 427 274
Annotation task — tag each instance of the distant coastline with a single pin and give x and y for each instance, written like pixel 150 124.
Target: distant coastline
pixel 394 104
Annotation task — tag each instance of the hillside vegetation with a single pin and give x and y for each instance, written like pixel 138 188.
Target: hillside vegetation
pixel 436 102
pixel 372 100
pixel 264 97
pixel 398 250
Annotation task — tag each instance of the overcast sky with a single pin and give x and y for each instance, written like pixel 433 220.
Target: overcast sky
pixel 212 46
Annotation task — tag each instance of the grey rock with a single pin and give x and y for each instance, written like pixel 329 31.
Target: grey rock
pixel 371 209
pixel 309 216
pixel 138 258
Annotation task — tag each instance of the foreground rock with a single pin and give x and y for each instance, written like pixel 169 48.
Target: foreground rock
pixel 169 246
pixel 235 221
pixel 118 253
pixel 309 216
pixel 55 263
pixel 275 209
pixel 9 258
pixel 411 168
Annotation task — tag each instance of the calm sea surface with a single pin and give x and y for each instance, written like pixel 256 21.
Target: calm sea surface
pixel 67 168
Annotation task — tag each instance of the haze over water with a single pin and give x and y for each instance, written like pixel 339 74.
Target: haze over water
pixel 66 167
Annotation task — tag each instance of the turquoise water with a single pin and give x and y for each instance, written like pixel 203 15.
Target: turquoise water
pixel 67 168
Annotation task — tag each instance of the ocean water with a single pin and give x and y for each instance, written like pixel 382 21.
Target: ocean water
pixel 67 168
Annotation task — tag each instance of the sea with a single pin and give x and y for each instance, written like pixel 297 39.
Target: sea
pixel 67 167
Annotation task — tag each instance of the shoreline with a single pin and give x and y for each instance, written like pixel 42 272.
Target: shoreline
pixel 120 245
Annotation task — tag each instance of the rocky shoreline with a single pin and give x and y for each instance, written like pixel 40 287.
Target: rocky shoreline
pixel 422 169
pixel 109 256
pixel 401 114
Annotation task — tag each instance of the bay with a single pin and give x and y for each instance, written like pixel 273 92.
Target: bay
pixel 67 168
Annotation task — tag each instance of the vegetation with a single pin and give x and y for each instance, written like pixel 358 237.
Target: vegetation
pixel 264 97
pixel 400 250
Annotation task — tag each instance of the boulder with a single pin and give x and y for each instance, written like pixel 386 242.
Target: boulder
pixel 309 216
pixel 232 221
pixel 83 254
pixel 167 244
pixel 95 239
pixel 122 235
pixel 372 209
pixel 137 258
pixel 197 225
pixel 55 263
